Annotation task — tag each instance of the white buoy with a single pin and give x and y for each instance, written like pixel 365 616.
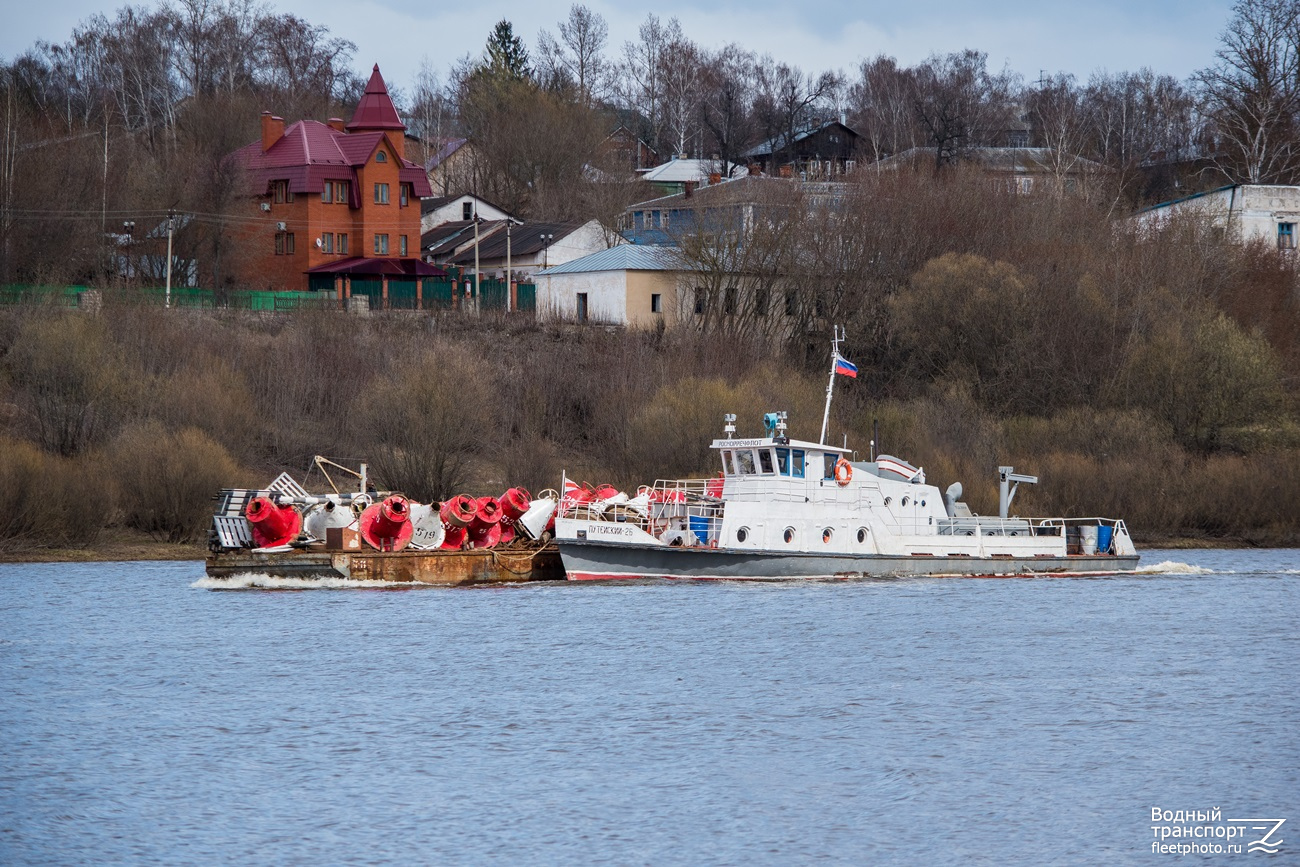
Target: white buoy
pixel 534 521
pixel 428 532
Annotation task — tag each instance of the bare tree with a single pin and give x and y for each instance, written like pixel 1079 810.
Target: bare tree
pixel 959 104
pixel 787 100
pixel 1253 92
pixel 727 94
pixel 881 107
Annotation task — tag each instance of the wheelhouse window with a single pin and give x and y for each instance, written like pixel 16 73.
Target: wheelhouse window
pixel 727 466
pixel 796 463
pixel 765 462
pixel 783 461
pixel 829 461
pixel 745 462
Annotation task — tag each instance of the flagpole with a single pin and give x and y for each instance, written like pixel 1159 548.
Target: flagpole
pixel 837 335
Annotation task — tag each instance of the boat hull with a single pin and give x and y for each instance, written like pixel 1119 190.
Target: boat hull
pixel 587 561
pixel 446 568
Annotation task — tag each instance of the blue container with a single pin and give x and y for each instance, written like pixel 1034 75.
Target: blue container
pixel 700 527
pixel 1103 539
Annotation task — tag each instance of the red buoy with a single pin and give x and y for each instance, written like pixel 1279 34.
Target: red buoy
pixel 458 511
pixel 387 526
pixel 514 503
pixel 488 511
pixel 272 525
pixel 606 492
pixel 455 538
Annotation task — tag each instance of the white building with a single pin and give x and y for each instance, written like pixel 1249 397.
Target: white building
pixel 1244 212
pixel 629 285
pixel 450 209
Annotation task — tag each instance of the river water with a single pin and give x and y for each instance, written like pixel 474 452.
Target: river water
pixel 148 719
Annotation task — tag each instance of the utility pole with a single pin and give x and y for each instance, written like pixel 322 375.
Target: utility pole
pixel 478 283
pixel 171 226
pixel 509 280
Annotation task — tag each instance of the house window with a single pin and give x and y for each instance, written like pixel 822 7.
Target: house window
pixel 402 195
pixel 467 211
pixel 656 305
pixel 381 157
pixel 381 194
pixel 791 303
pixel 284 243
pixel 1286 236
pixel 327 242
pixel 341 191
pixel 402 246
pixel 582 306
pixel 701 300
pixel 327 194
pixel 656 219
pixel 729 300
pixel 381 245
pixel 281 191
pixel 761 302
pixel 342 243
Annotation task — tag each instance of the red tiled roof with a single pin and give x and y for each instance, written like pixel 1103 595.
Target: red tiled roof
pixel 311 153
pixel 375 110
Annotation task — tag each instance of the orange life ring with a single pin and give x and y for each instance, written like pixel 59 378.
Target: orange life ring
pixel 843 472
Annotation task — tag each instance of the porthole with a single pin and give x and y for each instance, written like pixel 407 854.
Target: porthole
pixel 889 500
pixel 923 504
pixel 862 535
pixel 827 534
pixel 904 503
pixel 789 535
pixel 742 534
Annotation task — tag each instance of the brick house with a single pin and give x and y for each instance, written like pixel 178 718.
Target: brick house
pixel 336 207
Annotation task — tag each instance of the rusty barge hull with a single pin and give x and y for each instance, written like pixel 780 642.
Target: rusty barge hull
pixel 445 568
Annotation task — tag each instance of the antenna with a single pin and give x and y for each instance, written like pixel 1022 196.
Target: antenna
pixel 837 336
pixel 729 424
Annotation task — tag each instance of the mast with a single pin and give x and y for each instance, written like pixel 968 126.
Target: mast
pixel 837 334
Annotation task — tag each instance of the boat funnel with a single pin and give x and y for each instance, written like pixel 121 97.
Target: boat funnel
pixel 950 498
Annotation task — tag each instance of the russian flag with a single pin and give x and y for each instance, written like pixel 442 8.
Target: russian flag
pixel 847 368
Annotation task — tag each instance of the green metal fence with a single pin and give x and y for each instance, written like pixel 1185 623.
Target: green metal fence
pixel 436 294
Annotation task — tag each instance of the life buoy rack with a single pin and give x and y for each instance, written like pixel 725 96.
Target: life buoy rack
pixel 843 472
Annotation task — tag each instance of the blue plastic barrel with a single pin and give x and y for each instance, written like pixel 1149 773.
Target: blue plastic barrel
pixel 700 527
pixel 1103 539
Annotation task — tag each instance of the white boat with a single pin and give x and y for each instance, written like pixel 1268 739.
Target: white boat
pixel 783 508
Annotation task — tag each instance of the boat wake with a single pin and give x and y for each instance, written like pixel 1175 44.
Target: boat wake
pixel 1173 567
pixel 262 581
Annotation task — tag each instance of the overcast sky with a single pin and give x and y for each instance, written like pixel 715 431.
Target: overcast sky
pixel 1170 36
